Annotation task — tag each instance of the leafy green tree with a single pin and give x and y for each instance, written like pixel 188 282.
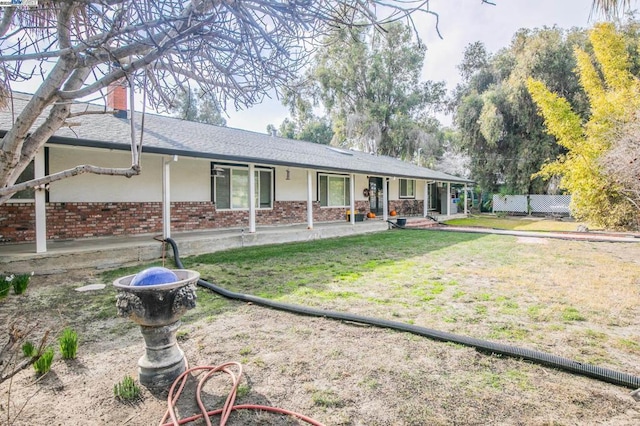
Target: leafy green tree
pixel 614 99
pixel 203 108
pixel 368 81
pixel 315 129
pixel 500 130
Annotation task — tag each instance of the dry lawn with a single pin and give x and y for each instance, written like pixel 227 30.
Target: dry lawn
pixel 579 300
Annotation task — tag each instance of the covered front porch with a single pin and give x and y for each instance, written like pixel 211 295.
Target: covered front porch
pixel 115 252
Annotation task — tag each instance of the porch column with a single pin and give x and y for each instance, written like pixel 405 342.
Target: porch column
pixel 352 198
pixel 448 198
pixel 385 199
pixel 40 204
pixel 425 207
pixel 465 198
pixel 166 197
pixel 252 198
pixel 309 199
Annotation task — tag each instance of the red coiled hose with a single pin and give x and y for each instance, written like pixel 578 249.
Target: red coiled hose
pixel 228 407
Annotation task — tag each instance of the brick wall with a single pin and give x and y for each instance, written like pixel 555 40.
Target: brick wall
pixel 17 221
pixel 81 220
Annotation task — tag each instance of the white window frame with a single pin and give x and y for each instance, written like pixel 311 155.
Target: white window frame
pixel 411 195
pixel 347 189
pixel 258 184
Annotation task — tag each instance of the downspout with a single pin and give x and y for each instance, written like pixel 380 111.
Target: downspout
pixel 309 200
pixel 252 198
pixel 40 204
pixel 166 196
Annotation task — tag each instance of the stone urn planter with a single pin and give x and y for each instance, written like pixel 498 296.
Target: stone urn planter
pixel 157 308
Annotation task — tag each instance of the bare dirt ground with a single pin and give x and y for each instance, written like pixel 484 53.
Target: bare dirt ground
pixel 337 373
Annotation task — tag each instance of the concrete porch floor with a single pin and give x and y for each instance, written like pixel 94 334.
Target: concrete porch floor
pixel 115 252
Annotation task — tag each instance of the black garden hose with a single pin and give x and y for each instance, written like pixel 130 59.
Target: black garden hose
pixel 599 373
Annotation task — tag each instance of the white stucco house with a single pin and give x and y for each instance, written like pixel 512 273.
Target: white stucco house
pixel 198 176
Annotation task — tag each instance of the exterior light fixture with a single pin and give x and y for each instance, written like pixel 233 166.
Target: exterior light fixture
pixel 288 175
pixel 218 172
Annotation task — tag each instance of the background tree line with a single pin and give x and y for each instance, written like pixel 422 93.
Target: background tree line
pixel 365 86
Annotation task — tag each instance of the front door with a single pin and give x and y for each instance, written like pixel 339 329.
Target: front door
pixel 375 195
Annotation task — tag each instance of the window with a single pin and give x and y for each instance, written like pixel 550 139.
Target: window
pixel 27 194
pixel 231 187
pixel 407 188
pixel 334 191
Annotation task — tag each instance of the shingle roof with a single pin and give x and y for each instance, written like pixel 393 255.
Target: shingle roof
pixel 173 136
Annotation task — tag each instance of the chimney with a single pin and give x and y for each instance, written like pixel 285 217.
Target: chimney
pixel 117 99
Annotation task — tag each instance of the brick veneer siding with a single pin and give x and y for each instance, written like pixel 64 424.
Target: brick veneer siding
pixel 81 220
pixel 17 222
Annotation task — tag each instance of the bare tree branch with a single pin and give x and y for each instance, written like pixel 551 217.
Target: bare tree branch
pixel 237 50
pixel 41 183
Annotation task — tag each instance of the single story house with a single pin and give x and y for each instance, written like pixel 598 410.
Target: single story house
pixel 198 176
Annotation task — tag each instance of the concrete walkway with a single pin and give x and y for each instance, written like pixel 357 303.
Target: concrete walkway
pixel 115 252
pixel 610 237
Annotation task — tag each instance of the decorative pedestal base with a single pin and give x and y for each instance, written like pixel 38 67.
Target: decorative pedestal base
pixel 163 361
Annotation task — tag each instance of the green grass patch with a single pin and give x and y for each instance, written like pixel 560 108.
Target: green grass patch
pixel 481 310
pixel 508 332
pixel 537 313
pixel 326 398
pixel 628 345
pixel 572 314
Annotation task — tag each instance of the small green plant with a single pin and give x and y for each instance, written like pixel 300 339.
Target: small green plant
pixel 43 364
pixel 126 390
pixel 5 285
pixel 20 282
pixel 68 343
pixel 243 390
pixel 29 349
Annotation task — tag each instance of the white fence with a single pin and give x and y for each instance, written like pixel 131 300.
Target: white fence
pixel 510 203
pixel 533 204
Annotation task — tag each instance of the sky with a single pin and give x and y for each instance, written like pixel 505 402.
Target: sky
pixel 461 22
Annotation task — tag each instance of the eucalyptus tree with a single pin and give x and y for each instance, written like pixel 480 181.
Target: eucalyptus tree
pixel 500 129
pixel 190 105
pixel 368 82
pixel 238 50
pixel 304 124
